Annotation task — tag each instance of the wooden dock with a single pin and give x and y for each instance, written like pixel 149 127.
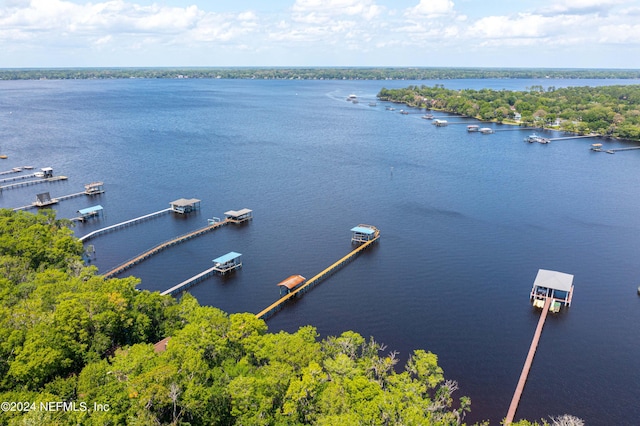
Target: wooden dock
pixel 527 364
pixel 32 182
pixel 574 137
pixel 277 305
pixel 16 178
pixel 143 256
pixel 190 282
pixel 53 201
pixel 123 224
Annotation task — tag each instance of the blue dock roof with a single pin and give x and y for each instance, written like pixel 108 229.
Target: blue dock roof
pixel 89 210
pixel 227 257
pixel 363 230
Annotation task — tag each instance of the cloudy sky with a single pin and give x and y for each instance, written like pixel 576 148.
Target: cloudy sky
pixel 476 33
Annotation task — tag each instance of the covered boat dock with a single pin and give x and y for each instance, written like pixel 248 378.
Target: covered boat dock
pixel 228 262
pixel 185 205
pixel 364 233
pixel 89 212
pixel 290 284
pixel 553 285
pixel 239 216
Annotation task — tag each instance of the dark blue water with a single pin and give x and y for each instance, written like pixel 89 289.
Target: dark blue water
pixel 466 221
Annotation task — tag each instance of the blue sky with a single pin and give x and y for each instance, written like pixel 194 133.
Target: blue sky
pixel 460 33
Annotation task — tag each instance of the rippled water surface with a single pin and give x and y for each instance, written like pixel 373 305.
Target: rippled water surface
pixel 466 221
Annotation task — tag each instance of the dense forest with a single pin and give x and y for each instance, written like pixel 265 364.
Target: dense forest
pixel 78 349
pixel 605 110
pixel 316 73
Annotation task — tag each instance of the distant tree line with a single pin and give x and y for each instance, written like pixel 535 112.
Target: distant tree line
pixel 605 110
pixel 316 73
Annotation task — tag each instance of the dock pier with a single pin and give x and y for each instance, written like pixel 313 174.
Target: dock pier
pixel 33 182
pixel 52 201
pixel 123 224
pixel 367 238
pixel 551 289
pixel 190 282
pixel 154 250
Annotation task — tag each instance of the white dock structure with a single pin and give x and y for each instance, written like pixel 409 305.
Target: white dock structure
pixel 190 282
pixel 227 263
pixel 123 224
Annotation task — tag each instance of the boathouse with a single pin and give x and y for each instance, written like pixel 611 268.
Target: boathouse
pixel 363 233
pixel 291 283
pixel 47 172
pixel 553 285
pixel 228 262
pixel 94 188
pixel 44 199
pixel 184 205
pixel 239 216
pixel 89 212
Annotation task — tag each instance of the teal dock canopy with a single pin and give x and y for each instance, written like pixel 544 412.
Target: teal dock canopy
pixel 363 230
pixel 90 210
pixel 363 233
pixel 231 256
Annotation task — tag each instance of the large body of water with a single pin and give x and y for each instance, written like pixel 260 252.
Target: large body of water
pixel 466 221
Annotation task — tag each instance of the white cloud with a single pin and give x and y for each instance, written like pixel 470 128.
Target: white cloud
pixel 323 11
pixel 582 7
pixel 432 8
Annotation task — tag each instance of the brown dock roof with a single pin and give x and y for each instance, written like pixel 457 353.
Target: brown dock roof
pixel 292 281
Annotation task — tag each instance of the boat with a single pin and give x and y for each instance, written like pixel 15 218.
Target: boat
pixel 428 116
pixel 486 130
pixel 536 138
pixel 473 128
pixel 4 157
pixel 596 147
pixel 27 167
pixel 440 123
pixel 372 104
pixel 610 151
pixel 352 98
pixel 404 112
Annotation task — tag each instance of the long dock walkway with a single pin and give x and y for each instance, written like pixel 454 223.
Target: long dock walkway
pixel 574 137
pixel 139 258
pixel 277 305
pixel 53 201
pixel 15 178
pixel 32 182
pixel 122 224
pixel 190 282
pixel 527 364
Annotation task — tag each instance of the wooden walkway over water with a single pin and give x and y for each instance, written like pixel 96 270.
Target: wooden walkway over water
pixel 190 282
pixel 123 224
pixel 32 182
pixel 53 201
pixel 527 364
pixel 182 238
pixel 277 305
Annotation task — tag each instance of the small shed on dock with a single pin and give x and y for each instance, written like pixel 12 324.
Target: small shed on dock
pixel 185 205
pixel 363 233
pixel 44 199
pixel 90 212
pixel 552 284
pixel 228 262
pixel 286 286
pixel 94 188
pixel 239 216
